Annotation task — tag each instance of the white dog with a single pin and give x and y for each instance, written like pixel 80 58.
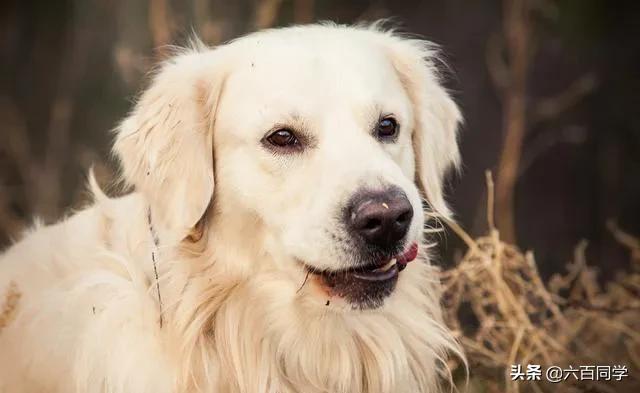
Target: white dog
pixel 268 246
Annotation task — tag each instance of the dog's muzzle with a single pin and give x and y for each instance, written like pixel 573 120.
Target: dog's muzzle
pixel 378 223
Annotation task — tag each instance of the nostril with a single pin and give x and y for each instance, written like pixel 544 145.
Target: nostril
pixel 404 217
pixel 372 223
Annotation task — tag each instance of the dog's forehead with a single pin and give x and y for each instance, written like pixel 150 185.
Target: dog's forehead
pixel 321 68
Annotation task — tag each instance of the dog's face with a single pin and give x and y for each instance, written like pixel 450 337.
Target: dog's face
pixel 321 139
pixel 316 141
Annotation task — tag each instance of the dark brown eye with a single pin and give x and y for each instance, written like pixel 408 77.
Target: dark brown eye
pixel 387 128
pixel 283 138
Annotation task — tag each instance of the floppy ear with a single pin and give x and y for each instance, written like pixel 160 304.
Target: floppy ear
pixel 165 145
pixel 436 117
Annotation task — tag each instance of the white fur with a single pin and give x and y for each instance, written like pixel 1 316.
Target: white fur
pixel 236 315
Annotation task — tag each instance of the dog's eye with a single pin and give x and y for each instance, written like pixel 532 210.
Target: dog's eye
pixel 387 128
pixel 283 138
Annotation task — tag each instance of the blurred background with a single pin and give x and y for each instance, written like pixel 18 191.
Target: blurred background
pixel 549 91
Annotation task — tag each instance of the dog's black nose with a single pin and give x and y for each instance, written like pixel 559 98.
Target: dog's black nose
pixel 380 218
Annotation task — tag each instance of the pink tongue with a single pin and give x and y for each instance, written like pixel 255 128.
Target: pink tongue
pixel 410 255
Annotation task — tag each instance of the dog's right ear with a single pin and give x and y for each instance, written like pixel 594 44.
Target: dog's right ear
pixel 165 145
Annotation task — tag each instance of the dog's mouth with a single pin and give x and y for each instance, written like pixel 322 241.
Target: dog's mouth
pixel 383 270
pixel 365 287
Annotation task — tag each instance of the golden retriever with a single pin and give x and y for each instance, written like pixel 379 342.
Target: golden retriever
pixel 274 241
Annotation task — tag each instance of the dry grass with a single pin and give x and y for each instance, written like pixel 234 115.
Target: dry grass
pixel 512 317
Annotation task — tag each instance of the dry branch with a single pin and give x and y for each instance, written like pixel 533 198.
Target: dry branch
pixel 510 76
pixel 551 107
pixel 517 30
pixel 303 11
pixel 159 22
pixel 266 13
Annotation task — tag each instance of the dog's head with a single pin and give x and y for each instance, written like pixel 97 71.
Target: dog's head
pixel 311 150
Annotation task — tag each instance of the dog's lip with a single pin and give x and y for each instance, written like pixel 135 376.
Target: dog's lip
pixel 383 273
pixel 382 270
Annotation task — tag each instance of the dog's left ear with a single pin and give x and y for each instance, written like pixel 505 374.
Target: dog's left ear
pixel 436 116
pixel 165 145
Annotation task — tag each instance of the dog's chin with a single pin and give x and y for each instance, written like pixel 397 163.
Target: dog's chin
pixel 365 287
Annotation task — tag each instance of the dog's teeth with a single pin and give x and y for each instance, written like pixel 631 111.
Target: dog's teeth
pixel 386 267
